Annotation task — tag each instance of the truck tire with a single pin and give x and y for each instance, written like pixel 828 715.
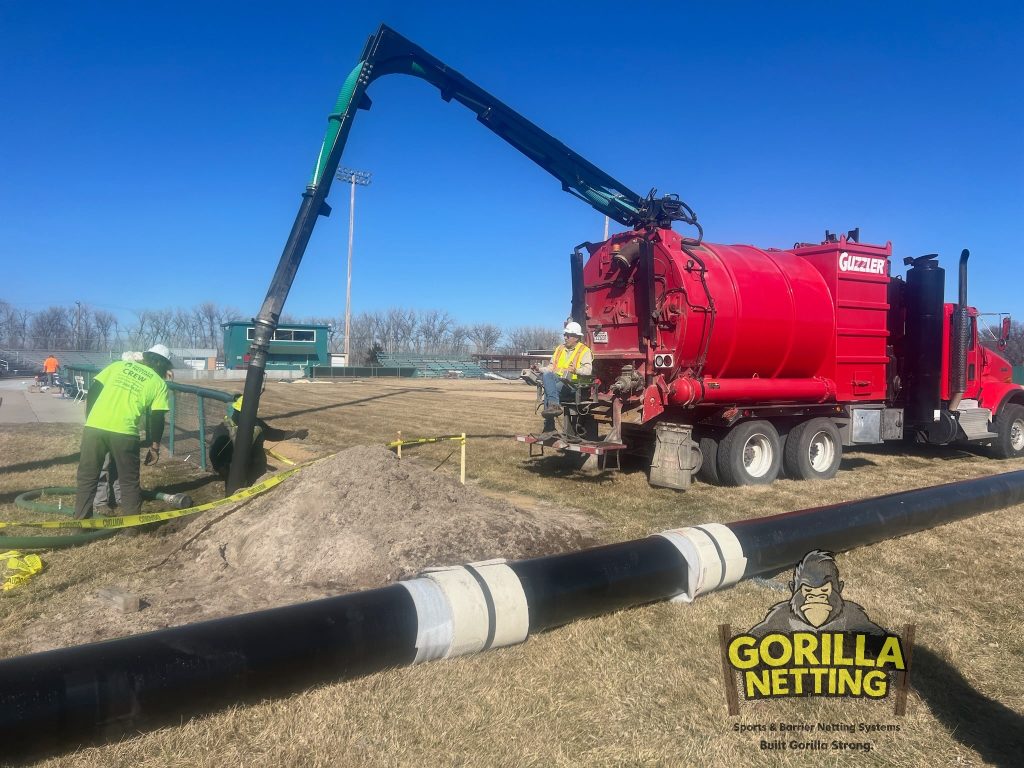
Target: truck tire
pixel 750 454
pixel 709 460
pixel 813 450
pixel 1010 428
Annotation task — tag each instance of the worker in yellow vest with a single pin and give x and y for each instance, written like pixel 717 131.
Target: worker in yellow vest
pixel 572 360
pixel 222 443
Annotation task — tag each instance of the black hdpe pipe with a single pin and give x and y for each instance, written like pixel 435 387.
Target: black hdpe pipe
pixel 779 541
pixel 71 696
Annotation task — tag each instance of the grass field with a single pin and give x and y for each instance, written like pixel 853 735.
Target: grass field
pixel 639 687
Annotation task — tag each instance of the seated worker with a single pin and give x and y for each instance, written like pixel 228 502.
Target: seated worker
pixel 222 444
pixel 571 360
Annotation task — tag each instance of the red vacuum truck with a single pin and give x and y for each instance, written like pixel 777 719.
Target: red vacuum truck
pixel 737 363
pixel 730 361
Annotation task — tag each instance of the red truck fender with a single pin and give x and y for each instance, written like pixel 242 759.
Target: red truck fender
pixel 996 395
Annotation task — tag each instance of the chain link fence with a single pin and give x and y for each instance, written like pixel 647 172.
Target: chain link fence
pixel 194 413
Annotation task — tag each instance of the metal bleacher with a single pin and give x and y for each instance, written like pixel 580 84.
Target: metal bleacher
pixel 431 367
pixel 30 361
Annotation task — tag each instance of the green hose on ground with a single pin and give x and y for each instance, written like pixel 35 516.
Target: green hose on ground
pixel 28 500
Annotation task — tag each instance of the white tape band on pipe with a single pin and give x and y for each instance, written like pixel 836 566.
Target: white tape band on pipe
pixel 470 620
pixel 508 600
pixel 704 566
pixel 434 627
pixel 731 551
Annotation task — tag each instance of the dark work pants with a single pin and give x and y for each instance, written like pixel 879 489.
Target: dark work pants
pixel 124 451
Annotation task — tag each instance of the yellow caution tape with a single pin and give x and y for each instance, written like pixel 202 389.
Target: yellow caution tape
pixel 414 441
pixel 279 457
pixel 25 568
pixel 152 517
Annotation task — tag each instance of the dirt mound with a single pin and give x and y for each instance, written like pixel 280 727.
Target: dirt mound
pixel 359 519
pixel 363 517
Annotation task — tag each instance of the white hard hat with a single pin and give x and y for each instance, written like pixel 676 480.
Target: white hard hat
pixel 162 350
pixel 574 329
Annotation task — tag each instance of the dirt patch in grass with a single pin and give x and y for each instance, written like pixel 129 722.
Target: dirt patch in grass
pixel 356 520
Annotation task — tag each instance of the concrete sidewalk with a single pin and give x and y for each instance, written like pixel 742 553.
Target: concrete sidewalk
pixel 19 406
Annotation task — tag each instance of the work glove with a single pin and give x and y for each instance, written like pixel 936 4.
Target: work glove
pixel 301 434
pixel 152 455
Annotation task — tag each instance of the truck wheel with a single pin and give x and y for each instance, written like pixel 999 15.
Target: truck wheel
pixel 709 460
pixel 1010 428
pixel 813 450
pixel 750 454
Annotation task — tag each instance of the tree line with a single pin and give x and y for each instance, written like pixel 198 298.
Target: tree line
pixel 83 328
pixel 398 330
pixel 1014 351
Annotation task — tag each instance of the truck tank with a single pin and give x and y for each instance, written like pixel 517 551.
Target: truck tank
pixel 735 323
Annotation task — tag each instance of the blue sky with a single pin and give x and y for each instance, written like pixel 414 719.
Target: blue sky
pixel 153 154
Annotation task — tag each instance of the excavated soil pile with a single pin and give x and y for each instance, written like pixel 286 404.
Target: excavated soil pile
pixel 363 518
pixel 357 520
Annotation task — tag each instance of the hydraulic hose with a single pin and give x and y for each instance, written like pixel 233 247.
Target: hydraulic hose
pixel 74 695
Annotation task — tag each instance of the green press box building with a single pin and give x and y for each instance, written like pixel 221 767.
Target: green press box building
pixel 292 347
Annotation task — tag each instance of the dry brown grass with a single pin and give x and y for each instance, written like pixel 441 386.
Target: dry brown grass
pixel 639 687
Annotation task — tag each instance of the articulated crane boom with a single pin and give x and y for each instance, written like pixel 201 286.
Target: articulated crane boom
pixel 386 53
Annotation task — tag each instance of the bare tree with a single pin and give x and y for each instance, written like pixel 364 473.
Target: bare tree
pixel 530 337
pixel 485 336
pixel 104 327
pixel 52 328
pixel 335 338
pixel 208 321
pixel 1014 351
pixel 7 326
pixel 434 334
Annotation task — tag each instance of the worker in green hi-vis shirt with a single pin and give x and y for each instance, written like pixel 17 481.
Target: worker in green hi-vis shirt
pixel 118 397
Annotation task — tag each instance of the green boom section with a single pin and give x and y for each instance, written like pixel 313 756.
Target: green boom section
pixel 337 121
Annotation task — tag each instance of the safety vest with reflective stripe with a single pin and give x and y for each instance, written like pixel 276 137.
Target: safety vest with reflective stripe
pixel 563 358
pixel 232 426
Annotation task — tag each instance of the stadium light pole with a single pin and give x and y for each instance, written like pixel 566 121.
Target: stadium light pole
pixel 361 178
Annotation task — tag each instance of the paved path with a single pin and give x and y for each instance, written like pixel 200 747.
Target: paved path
pixel 20 406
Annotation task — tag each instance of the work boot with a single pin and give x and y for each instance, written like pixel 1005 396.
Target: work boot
pixel 551 411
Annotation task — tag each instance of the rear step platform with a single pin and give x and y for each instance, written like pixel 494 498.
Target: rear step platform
pixel 557 441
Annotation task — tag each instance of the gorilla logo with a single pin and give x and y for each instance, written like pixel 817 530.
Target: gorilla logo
pixel 817 603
